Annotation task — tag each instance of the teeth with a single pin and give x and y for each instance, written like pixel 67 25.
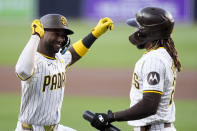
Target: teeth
pixel 58 45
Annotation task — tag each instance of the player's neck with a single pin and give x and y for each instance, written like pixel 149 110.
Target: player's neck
pixel 148 46
pixel 47 54
pixel 45 51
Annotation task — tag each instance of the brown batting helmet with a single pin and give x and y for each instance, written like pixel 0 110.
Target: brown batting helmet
pixel 153 23
pixel 55 21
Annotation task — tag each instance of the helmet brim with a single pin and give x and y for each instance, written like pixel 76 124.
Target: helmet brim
pixel 133 22
pixel 69 32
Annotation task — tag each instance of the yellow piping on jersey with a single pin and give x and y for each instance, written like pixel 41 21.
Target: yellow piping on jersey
pixel 25 79
pixel 152 50
pixel 80 48
pixel 52 58
pixel 27 126
pixel 153 91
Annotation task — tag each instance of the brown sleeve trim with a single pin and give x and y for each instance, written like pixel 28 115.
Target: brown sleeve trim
pixel 26 78
pixel 144 108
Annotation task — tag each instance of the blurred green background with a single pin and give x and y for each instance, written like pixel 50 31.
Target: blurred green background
pixel 112 50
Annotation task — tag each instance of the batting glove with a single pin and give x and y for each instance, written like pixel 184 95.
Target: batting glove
pixel 37 28
pixel 102 26
pixel 101 120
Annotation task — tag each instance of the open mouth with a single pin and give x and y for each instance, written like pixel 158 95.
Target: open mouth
pixel 58 45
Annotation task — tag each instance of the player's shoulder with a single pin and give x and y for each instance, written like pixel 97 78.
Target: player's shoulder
pixel 38 57
pixel 65 55
pixel 159 55
pixel 158 51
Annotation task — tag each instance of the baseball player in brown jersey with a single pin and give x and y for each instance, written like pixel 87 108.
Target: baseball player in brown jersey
pixel 153 84
pixel 42 67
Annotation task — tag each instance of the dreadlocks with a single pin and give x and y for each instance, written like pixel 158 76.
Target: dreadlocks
pixel 168 44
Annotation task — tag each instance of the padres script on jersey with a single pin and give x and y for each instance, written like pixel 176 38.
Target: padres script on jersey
pixel 155 73
pixel 42 93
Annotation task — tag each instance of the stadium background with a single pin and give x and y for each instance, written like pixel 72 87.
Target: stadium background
pixel 101 80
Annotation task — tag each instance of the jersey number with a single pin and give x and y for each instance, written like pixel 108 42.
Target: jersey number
pixel 173 67
pixel 172 94
pixel 136 84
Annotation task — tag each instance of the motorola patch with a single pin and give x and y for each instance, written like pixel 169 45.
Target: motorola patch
pixel 153 78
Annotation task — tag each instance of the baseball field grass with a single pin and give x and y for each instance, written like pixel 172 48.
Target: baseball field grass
pixel 73 108
pixel 112 50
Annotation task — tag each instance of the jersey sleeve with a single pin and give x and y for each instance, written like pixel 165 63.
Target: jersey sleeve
pixel 67 58
pixel 153 72
pixel 25 64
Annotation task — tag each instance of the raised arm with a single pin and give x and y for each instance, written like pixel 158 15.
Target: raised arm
pixel 81 47
pixel 25 64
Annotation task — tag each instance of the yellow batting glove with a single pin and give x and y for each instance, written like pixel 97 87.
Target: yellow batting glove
pixel 37 28
pixel 102 26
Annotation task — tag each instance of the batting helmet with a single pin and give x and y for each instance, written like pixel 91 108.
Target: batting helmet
pixel 153 24
pixel 55 21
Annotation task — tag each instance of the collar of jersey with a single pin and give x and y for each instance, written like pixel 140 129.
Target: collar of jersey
pixel 152 50
pixel 48 57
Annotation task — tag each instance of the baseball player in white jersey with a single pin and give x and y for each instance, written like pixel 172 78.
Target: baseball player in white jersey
pixel 153 84
pixel 42 67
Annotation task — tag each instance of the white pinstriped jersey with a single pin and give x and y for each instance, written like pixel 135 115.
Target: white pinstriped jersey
pixel 156 73
pixel 42 94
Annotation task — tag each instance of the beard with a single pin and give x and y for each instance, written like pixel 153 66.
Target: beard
pixel 52 47
pixel 136 42
pixel 141 46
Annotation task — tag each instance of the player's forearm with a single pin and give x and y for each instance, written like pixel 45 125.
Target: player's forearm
pixel 146 107
pixel 25 63
pixel 89 40
pixel 80 48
